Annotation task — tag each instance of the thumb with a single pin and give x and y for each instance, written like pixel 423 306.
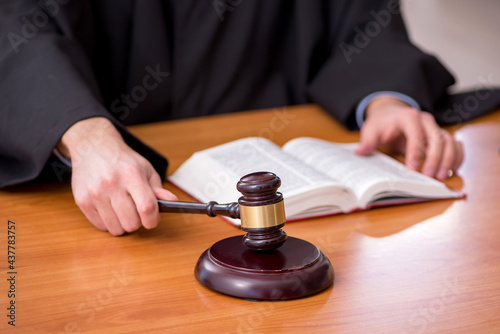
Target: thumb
pixel 158 190
pixel 164 194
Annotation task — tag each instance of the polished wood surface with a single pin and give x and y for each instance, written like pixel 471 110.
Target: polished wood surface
pixel 421 268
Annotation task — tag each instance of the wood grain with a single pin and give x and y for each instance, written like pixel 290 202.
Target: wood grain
pixel 422 268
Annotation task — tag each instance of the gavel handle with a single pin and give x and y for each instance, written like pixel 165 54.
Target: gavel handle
pixel 211 209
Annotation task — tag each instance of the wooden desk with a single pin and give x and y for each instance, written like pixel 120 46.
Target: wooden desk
pixel 422 268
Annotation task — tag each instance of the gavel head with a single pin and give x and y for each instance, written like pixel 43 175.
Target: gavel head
pixel 262 211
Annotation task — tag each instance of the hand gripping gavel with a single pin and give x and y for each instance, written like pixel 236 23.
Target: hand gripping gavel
pixel 260 209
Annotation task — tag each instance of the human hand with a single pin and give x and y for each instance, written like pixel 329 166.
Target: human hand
pixel 114 186
pixel 426 146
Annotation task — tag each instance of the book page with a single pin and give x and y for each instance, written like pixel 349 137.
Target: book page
pixel 370 177
pixel 212 174
pixel 257 154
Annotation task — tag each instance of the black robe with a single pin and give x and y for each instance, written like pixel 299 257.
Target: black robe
pixel 139 61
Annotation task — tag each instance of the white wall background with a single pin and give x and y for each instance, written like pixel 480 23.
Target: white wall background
pixel 463 34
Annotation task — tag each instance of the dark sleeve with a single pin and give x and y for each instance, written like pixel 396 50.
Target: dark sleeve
pixel 47 85
pixel 370 52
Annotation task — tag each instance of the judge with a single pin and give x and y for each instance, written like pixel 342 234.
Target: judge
pixel 75 73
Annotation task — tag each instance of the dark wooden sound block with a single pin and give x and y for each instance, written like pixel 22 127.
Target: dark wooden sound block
pixel 296 269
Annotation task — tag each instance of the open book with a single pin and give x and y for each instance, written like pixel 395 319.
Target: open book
pixel 317 177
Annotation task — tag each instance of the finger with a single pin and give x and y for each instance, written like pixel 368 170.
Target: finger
pixel 158 190
pixel 415 140
pixel 436 145
pixel 147 208
pixel 93 217
pixel 89 210
pixel 109 218
pixel 162 193
pixel 146 204
pixel 448 158
pixel 370 137
pixel 125 210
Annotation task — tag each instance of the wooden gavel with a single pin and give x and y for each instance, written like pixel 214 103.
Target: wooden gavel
pixel 252 267
pixel 260 209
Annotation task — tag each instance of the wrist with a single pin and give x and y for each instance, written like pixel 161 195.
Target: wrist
pixel 383 102
pixel 85 134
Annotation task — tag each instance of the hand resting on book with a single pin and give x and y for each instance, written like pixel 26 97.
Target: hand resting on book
pixel 427 147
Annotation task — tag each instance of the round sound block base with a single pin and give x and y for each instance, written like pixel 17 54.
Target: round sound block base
pixel 296 269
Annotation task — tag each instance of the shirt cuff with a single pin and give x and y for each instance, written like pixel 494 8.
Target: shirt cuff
pixel 360 110
pixel 61 157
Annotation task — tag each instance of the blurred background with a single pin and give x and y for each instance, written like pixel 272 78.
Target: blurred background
pixel 463 34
